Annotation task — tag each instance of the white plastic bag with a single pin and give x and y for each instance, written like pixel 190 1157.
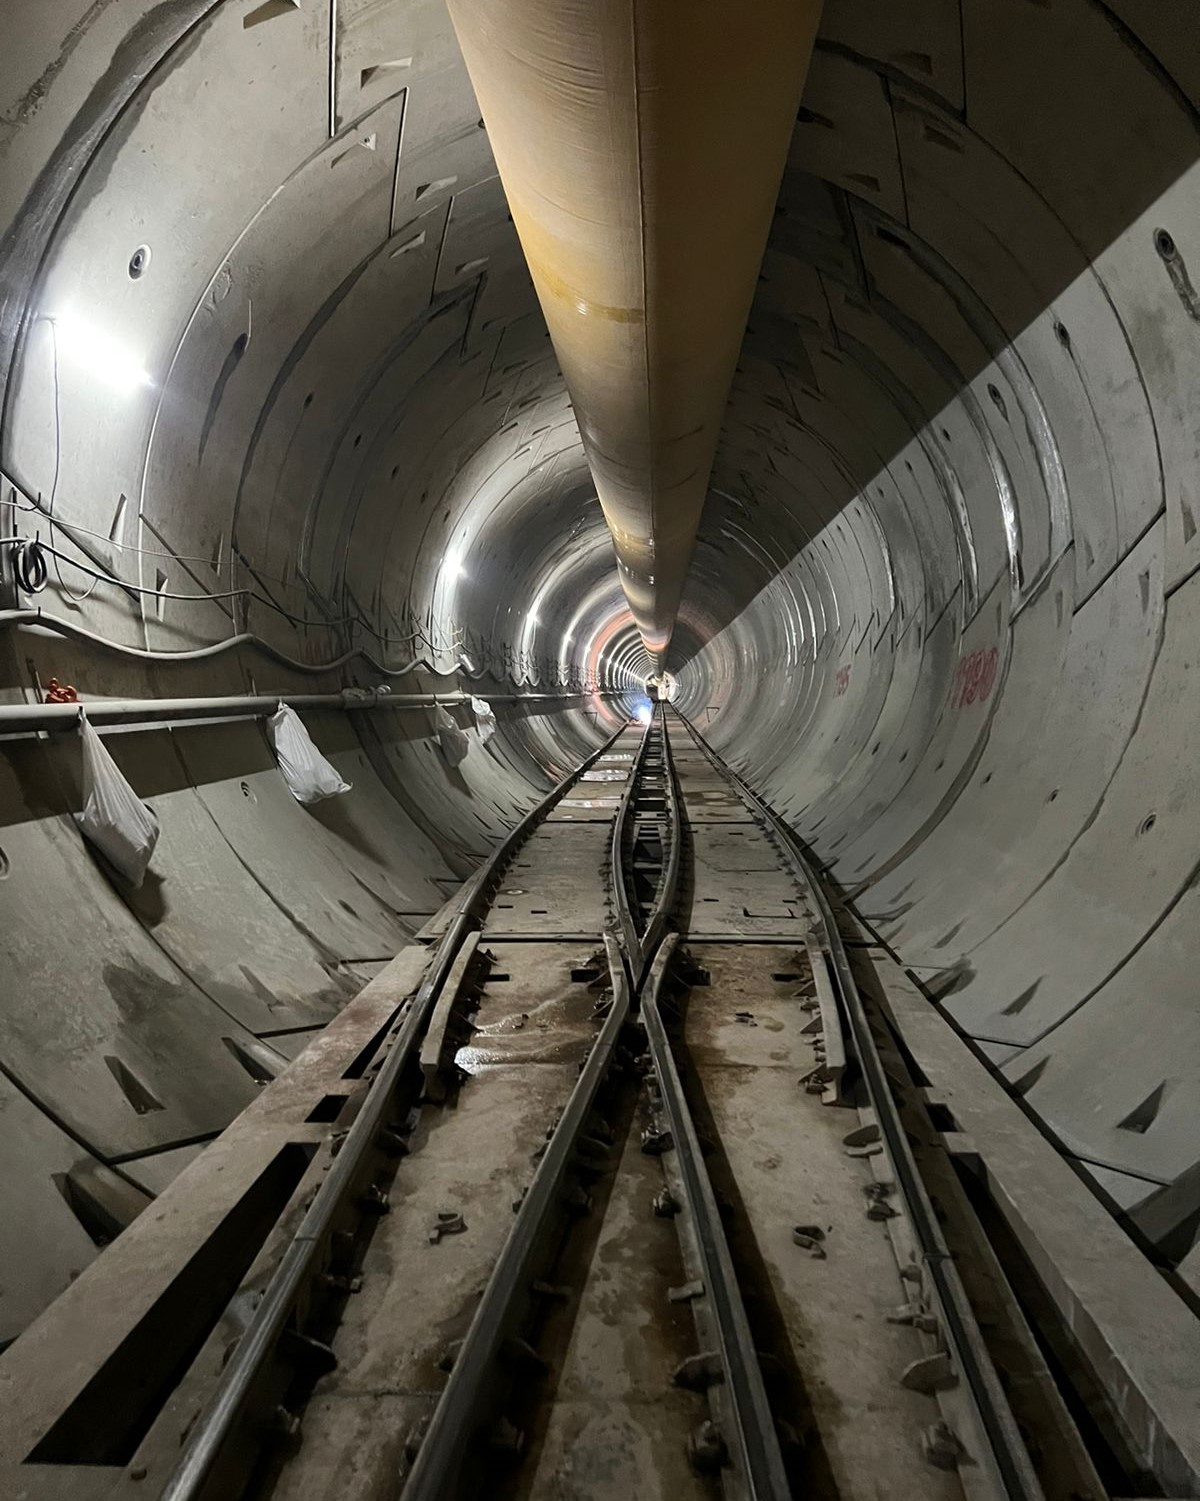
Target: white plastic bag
pixel 453 741
pixel 306 771
pixel 114 818
pixel 485 720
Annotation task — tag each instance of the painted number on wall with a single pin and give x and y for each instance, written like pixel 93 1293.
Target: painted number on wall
pixel 842 680
pixel 975 676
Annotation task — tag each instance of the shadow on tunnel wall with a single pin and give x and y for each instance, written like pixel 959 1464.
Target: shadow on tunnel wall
pixel 944 606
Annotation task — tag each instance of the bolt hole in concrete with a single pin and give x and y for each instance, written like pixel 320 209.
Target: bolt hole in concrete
pixel 139 261
pixel 1164 244
pixel 1053 795
pixel 5 866
pixel 1148 823
pixel 248 792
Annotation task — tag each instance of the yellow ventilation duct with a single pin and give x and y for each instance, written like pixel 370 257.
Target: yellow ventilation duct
pixel 641 145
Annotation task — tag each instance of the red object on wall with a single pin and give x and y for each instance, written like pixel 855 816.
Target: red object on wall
pixel 974 677
pixel 60 693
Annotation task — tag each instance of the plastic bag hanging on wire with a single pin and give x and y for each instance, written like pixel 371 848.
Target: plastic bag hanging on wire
pixel 114 818
pixel 308 774
pixel 453 741
pixel 485 720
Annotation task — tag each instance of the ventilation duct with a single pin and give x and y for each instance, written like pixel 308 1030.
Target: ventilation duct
pixel 641 147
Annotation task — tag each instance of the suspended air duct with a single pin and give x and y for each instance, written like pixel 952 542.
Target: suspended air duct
pixel 641 145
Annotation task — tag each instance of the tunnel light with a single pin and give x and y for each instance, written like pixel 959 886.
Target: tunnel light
pixel 642 713
pixel 531 618
pixel 452 565
pixel 97 352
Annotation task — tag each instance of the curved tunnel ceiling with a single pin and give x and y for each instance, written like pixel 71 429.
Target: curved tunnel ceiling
pixel 266 318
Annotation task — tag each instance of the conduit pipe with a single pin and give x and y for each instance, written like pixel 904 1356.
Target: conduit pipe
pixel 641 146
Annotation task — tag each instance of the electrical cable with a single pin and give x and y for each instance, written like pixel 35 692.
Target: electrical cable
pixel 36 617
pixel 35 509
pixel 28 564
pixel 107 578
pixel 23 544
pixel 75 599
pixel 31 575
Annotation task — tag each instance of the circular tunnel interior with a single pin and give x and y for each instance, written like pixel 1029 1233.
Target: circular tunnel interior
pixel 282 409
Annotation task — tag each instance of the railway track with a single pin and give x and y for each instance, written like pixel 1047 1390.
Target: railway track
pixel 639 1196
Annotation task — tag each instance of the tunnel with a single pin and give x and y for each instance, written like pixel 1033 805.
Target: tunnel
pixel 283 424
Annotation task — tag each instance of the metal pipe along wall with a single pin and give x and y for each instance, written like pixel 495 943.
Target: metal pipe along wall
pixel 641 147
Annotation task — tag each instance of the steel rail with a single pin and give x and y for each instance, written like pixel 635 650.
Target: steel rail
pixel 668 886
pixel 755 1446
pixel 212 1432
pixel 446 1443
pixel 756 1450
pixel 626 918
pixel 640 944
pixel 1005 1454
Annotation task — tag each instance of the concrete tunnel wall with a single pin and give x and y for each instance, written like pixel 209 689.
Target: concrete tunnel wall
pixel 265 318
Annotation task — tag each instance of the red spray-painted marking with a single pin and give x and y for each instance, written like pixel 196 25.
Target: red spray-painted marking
pixel 842 680
pixel 975 676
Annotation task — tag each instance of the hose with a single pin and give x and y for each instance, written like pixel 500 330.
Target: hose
pixel 28 565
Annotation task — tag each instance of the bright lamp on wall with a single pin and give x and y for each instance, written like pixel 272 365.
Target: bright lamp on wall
pixel 93 350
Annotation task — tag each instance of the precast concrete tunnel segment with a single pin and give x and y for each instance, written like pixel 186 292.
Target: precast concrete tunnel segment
pixel 457 376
